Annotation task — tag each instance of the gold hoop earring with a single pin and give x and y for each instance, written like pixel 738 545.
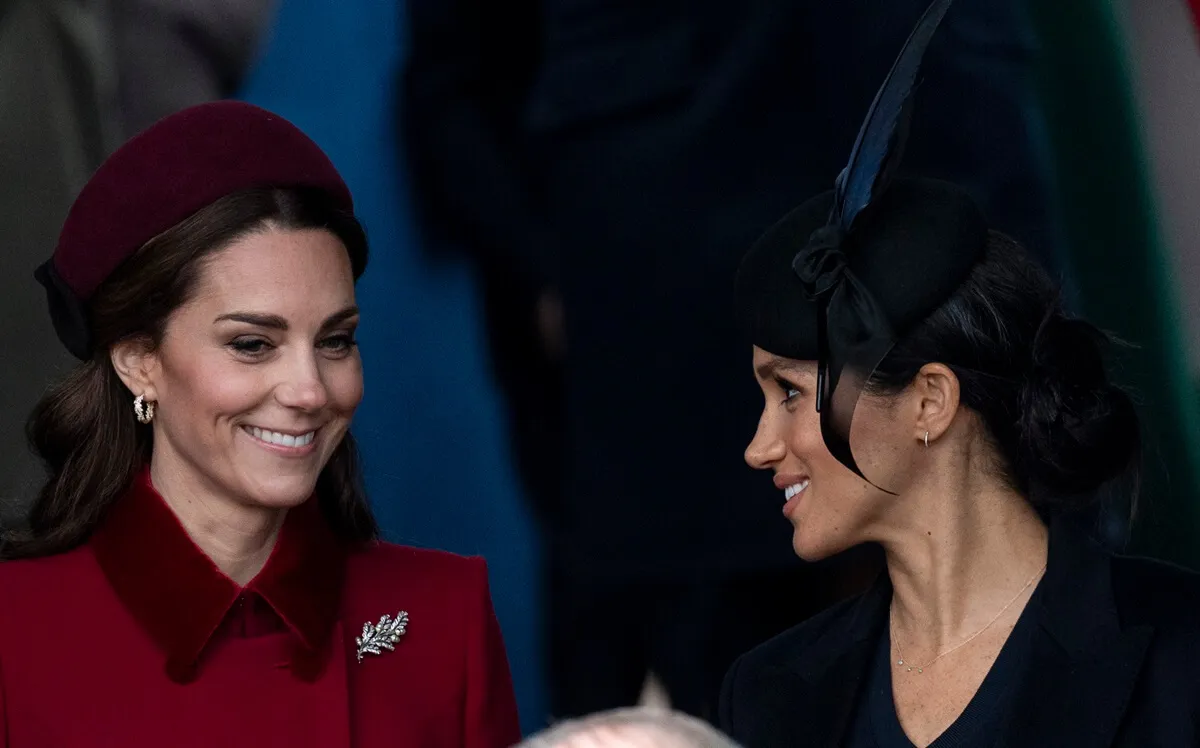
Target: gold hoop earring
pixel 144 410
pixel 926 440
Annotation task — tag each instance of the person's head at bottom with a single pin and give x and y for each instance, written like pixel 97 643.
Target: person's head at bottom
pixel 633 727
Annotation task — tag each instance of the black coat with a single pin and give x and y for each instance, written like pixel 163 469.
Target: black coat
pixel 1114 661
pixel 628 152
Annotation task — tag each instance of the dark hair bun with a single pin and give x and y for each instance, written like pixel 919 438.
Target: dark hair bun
pixel 1077 430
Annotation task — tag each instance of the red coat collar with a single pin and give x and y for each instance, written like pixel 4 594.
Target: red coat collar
pixel 179 596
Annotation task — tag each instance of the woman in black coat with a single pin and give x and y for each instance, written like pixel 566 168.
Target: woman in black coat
pixel 926 391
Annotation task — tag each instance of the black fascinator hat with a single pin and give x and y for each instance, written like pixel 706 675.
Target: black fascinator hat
pixel 842 277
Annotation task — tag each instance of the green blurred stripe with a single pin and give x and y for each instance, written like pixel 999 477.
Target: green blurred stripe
pixel 1121 265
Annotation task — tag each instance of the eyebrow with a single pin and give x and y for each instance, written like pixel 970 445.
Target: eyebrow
pixel 275 322
pixel 770 369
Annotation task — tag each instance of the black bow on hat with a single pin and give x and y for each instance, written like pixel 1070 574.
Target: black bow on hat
pixel 853 332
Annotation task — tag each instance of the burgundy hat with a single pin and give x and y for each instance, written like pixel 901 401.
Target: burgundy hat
pixel 160 177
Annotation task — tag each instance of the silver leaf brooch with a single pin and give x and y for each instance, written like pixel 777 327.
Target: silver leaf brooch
pixel 380 637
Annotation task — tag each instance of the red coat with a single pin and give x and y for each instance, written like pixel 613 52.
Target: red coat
pixel 137 639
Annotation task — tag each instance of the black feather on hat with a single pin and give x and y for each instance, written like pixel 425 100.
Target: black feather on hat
pixel 841 277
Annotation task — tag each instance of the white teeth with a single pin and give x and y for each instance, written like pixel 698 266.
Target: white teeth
pixel 794 489
pixel 282 440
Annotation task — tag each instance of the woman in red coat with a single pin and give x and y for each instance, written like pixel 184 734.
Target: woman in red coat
pixel 201 567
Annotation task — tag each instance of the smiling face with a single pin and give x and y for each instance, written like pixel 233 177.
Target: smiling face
pixel 258 374
pixel 830 508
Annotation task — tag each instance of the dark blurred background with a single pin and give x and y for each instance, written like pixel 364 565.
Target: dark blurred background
pixel 557 195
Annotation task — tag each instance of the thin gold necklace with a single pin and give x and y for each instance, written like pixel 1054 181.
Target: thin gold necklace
pixel 921 668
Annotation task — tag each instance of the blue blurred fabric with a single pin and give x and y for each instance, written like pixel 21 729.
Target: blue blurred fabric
pixel 430 426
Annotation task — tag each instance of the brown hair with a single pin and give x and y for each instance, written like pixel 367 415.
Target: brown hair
pixel 1037 377
pixel 84 429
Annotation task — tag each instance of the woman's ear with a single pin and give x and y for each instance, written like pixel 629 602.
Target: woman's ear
pixel 938 393
pixel 137 366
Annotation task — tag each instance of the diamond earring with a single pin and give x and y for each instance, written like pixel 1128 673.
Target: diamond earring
pixel 143 409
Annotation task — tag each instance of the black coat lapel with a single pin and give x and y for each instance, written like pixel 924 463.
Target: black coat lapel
pixel 1082 667
pixel 1075 702
pixel 827 676
pixel 833 698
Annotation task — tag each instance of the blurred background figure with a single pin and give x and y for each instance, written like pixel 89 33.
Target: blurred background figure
pixel 171 54
pixel 607 164
pixel 57 123
pixel 631 728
